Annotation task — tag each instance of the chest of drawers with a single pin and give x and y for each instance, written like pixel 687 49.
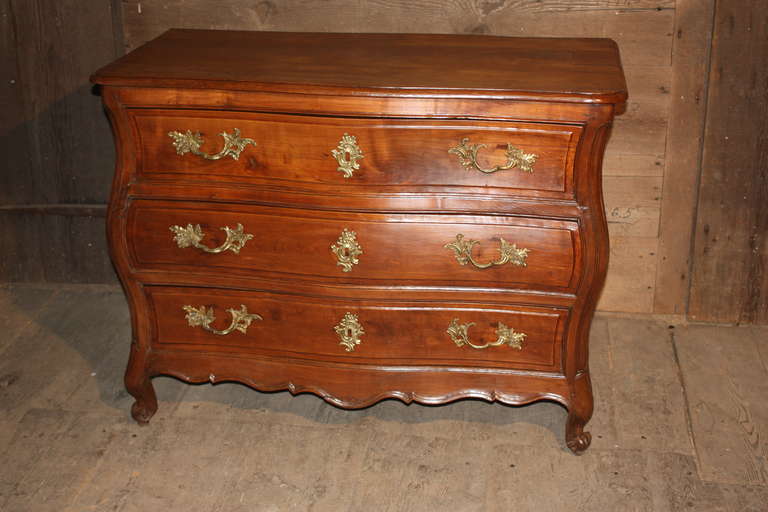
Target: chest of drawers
pixel 363 216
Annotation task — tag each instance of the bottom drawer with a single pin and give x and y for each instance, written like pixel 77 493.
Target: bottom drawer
pixel 358 331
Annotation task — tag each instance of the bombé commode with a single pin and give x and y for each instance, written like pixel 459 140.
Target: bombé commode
pixel 363 216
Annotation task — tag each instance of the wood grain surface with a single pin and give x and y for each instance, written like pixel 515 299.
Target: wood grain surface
pixel 726 380
pixel 691 50
pixel 387 325
pixel 566 70
pixel 730 257
pixel 394 152
pixel 397 249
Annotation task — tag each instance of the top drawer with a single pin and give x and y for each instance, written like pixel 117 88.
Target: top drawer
pixel 535 159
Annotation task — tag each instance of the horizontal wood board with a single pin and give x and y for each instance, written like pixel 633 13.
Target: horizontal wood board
pixel 579 70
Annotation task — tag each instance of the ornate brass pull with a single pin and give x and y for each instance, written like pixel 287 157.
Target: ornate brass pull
pixel 509 253
pixel 346 250
pixel 459 333
pixel 467 154
pixel 347 146
pixel 191 236
pixel 190 143
pixel 203 317
pixel 349 331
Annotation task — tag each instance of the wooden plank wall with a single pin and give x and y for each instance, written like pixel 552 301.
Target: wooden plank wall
pixel 687 109
pixel 636 158
pixel 55 141
pixel 60 150
pixel 730 267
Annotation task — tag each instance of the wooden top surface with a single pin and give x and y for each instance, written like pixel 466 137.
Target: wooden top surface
pixel 551 69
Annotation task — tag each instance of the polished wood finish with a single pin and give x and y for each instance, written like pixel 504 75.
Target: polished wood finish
pixel 395 151
pixel 398 248
pixel 567 69
pixel 386 323
pixel 299 93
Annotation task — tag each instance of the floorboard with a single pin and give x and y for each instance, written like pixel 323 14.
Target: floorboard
pixel 726 384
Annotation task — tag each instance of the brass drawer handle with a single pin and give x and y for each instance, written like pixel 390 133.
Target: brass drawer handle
pixel 467 154
pixel 190 143
pixel 191 236
pixel 347 153
pixel 346 250
pixel 203 317
pixel 459 333
pixel 508 253
pixel 349 331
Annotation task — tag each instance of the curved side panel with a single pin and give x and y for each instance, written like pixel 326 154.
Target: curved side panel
pixel 137 378
pixel 596 251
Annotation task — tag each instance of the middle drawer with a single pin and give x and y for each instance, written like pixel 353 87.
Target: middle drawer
pixel 378 249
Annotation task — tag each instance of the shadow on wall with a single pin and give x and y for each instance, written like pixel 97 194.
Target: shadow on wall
pixel 59 163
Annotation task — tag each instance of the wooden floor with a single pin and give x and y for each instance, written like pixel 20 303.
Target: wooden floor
pixel 681 424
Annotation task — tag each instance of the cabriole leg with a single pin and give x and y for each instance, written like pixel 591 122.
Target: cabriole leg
pixel 579 413
pixel 139 385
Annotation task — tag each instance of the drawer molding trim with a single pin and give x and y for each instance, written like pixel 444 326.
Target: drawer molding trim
pixel 349 331
pixel 204 317
pixel 192 236
pixel 459 333
pixel 189 142
pixel 516 157
pixel 508 253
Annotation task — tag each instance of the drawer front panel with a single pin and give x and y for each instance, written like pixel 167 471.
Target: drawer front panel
pixel 361 331
pixel 360 248
pixel 300 150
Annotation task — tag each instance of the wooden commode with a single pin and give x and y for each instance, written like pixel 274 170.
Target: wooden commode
pixel 363 216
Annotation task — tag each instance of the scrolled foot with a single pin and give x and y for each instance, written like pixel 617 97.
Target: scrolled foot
pixel 579 442
pixel 142 412
pixel 579 414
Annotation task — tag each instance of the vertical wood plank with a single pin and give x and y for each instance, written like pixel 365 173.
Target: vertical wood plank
pixel 690 61
pixel 59 44
pixel 730 266
pixel 631 270
pixel 632 206
pixel 21 259
pixel 54 137
pixel 14 143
